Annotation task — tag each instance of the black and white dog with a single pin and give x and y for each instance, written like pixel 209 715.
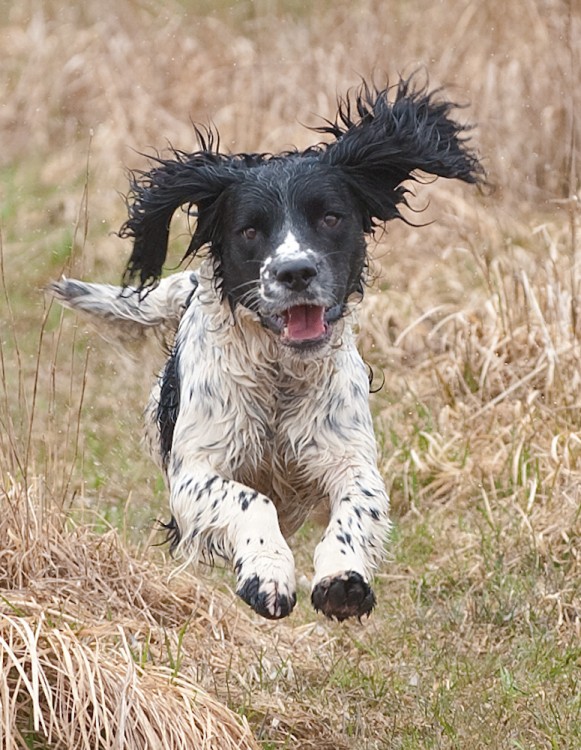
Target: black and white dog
pixel 261 412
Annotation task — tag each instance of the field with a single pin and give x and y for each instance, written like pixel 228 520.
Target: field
pixel 472 326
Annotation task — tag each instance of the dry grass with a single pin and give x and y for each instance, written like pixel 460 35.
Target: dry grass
pixel 474 321
pixel 75 689
pixel 91 642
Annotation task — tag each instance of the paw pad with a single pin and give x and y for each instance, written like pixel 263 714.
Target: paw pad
pixel 342 596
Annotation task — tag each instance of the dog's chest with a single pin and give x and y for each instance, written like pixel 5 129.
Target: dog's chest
pixel 262 416
pixel 284 468
pixel 280 414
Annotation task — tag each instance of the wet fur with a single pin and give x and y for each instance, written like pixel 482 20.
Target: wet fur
pixel 254 427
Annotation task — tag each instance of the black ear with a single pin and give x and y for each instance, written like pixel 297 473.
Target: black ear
pixel 385 136
pixel 196 179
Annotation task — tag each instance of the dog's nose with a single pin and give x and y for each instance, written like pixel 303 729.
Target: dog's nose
pixel 296 275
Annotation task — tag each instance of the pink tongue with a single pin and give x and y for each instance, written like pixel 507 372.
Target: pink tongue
pixel 305 322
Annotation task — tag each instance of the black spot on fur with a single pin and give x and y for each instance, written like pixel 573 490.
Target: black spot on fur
pixel 246 498
pixel 169 396
pixel 208 486
pixel 195 283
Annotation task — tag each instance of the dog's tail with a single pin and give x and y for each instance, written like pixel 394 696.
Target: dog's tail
pixel 125 317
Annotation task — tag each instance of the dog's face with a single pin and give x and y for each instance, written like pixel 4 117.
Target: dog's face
pixel 291 246
pixel 287 232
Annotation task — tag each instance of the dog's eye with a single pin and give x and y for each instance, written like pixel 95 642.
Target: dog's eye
pixel 249 233
pixel 331 220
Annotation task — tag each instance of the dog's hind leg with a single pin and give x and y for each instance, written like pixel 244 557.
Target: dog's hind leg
pixel 123 315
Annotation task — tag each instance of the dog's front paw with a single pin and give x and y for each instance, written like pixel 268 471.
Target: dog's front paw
pixel 268 598
pixel 266 578
pixel 343 595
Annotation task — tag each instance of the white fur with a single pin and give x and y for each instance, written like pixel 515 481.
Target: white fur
pixel 289 249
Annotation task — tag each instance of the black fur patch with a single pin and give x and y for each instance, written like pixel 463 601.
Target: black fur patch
pixel 380 139
pixel 250 592
pixel 173 535
pixel 168 406
pixel 169 396
pixel 346 595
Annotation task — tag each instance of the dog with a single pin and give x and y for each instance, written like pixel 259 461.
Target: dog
pixel 261 411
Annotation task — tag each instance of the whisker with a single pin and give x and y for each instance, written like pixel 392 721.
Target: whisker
pixel 243 284
pixel 252 295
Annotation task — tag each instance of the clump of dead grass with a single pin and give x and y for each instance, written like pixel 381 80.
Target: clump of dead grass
pixel 101 644
pixel 90 641
pixel 67 688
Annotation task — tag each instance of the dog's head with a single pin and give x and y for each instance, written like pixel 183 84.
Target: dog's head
pixel 287 232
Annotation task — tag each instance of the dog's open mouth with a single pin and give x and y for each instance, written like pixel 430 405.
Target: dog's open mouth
pixel 304 325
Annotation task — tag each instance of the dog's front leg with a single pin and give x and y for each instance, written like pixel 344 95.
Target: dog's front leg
pixel 352 544
pixel 214 514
